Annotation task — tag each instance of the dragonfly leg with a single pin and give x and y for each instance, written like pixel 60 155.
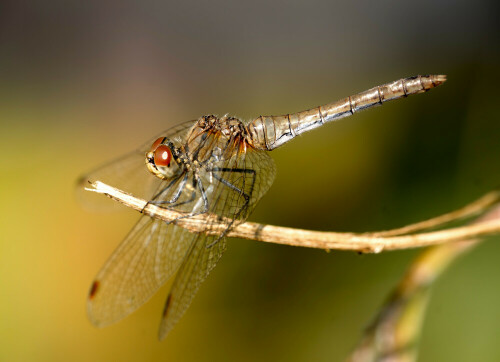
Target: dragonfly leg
pixel 198 182
pixel 236 170
pixel 158 194
pixel 176 195
pixel 233 187
pixel 246 196
pixel 172 203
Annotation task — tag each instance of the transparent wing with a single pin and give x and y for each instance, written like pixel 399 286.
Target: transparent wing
pixel 194 270
pixel 151 252
pixel 233 188
pixel 144 261
pixel 229 187
pixel 127 173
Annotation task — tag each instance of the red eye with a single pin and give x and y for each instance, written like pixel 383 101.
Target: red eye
pixel 157 143
pixel 162 155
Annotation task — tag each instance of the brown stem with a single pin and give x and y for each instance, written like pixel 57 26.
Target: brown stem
pixel 395 332
pixel 367 243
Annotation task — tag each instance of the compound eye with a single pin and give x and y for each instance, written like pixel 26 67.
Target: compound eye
pixel 162 155
pixel 157 143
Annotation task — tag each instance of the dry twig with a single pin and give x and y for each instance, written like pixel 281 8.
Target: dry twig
pixel 395 332
pixel 367 243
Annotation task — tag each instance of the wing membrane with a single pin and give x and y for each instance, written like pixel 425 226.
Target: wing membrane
pixel 197 265
pixel 231 179
pixel 143 262
pixel 247 175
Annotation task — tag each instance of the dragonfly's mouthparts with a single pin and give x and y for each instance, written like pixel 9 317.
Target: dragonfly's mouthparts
pixel 150 164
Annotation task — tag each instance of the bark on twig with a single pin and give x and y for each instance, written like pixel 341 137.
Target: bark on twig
pixel 366 243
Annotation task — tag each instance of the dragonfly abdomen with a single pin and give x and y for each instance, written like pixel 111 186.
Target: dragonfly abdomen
pixel 270 132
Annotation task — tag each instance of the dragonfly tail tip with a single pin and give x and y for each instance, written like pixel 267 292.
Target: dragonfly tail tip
pixel 439 79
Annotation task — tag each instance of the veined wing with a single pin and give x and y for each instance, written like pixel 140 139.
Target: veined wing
pixel 154 250
pixel 151 252
pixel 233 186
pixel 144 261
pixel 202 258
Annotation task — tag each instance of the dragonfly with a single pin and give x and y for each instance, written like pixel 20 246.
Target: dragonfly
pixel 209 166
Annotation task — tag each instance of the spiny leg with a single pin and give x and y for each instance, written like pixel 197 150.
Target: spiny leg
pixel 197 181
pixel 246 196
pixel 237 170
pixel 176 196
pixel 177 193
pixel 159 193
pixel 172 202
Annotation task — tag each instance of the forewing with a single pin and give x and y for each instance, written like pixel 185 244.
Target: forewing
pixel 144 261
pixel 151 252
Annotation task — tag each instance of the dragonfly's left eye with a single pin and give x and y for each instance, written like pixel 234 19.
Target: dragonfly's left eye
pixel 162 155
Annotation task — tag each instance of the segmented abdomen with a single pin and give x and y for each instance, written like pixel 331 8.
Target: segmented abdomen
pixel 269 132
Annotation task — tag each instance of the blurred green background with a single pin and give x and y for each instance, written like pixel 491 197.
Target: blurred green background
pixel 82 82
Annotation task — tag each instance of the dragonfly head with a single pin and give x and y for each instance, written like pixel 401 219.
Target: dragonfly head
pixel 160 160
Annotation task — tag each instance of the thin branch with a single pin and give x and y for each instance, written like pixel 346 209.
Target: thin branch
pixel 366 243
pixel 395 332
pixel 474 208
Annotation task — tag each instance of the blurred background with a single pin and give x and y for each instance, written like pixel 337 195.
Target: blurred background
pixel 82 82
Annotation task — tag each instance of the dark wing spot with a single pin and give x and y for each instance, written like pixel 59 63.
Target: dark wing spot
pixel 167 304
pixel 93 289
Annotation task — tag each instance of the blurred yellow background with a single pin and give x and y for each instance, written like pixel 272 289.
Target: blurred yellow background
pixel 83 82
